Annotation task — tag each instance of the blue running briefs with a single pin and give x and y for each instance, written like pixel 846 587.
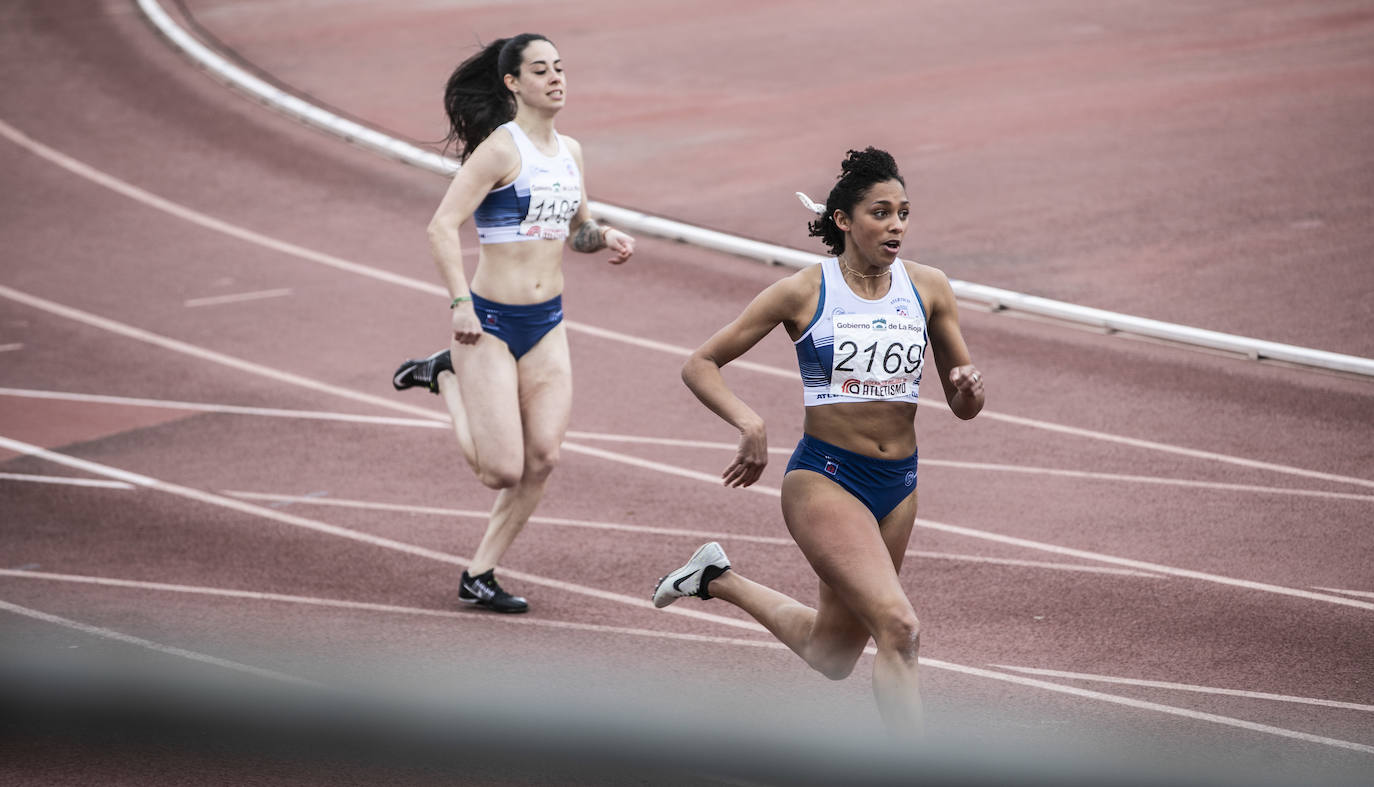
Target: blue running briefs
pixel 520 327
pixel 880 484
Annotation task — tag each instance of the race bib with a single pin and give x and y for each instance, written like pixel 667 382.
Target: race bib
pixel 877 356
pixel 554 197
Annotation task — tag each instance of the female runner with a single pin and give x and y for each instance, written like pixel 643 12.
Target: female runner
pixel 505 378
pixel 861 322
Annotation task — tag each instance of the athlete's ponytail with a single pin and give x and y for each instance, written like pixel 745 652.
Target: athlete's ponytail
pixel 858 172
pixel 476 99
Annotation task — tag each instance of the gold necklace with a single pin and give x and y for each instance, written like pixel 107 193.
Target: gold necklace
pixel 853 272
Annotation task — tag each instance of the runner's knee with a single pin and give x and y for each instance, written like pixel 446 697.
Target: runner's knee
pixel 900 632
pixel 500 475
pixel 833 662
pixel 540 462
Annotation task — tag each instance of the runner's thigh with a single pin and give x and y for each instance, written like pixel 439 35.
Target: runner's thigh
pixel 546 392
pixel 487 380
pixel 841 540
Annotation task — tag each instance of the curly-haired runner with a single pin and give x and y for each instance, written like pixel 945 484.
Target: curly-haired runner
pixel 506 377
pixel 861 322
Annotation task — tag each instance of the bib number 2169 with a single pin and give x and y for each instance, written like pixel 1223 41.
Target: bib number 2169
pixel 876 356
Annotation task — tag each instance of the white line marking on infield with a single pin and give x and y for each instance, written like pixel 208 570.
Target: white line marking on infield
pixel 9 348
pixel 1159 684
pixel 216 300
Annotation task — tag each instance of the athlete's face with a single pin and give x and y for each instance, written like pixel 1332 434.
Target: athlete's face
pixel 873 234
pixel 541 83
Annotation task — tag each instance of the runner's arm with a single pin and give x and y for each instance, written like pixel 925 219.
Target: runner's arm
pixel 962 382
pixel 702 375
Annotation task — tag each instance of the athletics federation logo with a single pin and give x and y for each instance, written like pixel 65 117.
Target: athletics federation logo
pixel 831 466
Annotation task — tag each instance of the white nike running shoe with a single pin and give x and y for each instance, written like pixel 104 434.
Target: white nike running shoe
pixel 692 579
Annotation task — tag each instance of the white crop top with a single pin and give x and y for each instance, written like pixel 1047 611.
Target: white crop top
pixel 539 203
pixel 857 350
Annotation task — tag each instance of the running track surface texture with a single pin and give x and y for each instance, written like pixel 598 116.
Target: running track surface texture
pixel 1135 546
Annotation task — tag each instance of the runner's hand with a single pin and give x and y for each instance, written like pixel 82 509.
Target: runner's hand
pixel 967 379
pixel 467 329
pixel 750 460
pixel 621 244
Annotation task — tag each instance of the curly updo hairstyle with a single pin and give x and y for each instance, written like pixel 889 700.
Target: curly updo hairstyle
pixel 476 99
pixel 859 171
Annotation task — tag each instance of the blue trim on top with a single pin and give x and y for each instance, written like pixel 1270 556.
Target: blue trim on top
pixel 820 306
pixel 503 207
pixel 912 282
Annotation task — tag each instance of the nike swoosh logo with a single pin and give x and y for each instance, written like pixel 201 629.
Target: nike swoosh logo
pixel 678 584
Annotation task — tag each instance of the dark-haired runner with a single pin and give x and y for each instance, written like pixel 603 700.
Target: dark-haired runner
pixel 506 377
pixel 861 322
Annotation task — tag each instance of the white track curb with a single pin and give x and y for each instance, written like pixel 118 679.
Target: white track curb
pixel 995 298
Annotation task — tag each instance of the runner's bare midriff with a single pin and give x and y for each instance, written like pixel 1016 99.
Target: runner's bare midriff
pixel 885 430
pixel 519 273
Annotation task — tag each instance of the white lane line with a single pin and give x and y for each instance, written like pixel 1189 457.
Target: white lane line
pixel 282 517
pixel 367 606
pixel 1173 449
pixel 657 531
pixel 1144 565
pixel 434 423
pixel 665 468
pixel 216 300
pixel 1145 479
pixel 733 641
pixel 54 479
pixel 1159 684
pixel 1157 707
pixel 1006 561
pixel 150 645
pixel 133 192
pixel 128 331
pixel 9 348
pixel 137 194
pixel 431 422
pixel 1361 593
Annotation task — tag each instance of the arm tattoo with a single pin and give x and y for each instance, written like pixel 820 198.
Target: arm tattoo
pixel 589 237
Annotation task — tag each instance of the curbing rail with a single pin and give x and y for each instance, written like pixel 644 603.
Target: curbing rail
pixel 993 297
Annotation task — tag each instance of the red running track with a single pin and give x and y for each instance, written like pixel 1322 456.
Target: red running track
pixel 1174 521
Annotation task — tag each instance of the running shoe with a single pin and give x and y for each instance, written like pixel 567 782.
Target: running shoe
pixel 692 579
pixel 422 372
pixel 483 591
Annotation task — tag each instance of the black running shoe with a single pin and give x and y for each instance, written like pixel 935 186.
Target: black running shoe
pixel 483 591
pixel 422 372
